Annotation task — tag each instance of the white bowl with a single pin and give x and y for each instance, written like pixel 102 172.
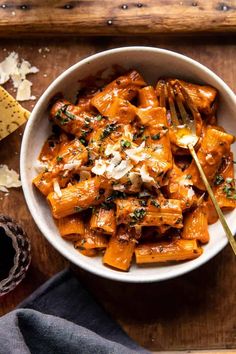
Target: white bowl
pixel 152 63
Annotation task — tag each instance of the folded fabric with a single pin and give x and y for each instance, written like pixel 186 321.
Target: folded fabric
pixel 61 317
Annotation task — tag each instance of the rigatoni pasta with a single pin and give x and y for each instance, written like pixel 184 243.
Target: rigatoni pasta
pixel 117 183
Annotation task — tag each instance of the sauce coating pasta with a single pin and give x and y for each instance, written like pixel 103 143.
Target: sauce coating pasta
pixel 117 183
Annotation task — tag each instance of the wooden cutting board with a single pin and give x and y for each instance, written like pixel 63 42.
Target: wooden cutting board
pixel 115 17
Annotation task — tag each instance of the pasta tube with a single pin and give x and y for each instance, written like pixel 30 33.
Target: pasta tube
pixel 196 225
pixel 71 227
pixel 155 213
pixel 77 197
pixel 103 220
pixel 120 250
pixel 215 145
pixel 91 240
pixel 124 87
pixel 147 97
pixel 177 250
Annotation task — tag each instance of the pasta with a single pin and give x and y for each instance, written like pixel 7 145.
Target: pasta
pixel 118 184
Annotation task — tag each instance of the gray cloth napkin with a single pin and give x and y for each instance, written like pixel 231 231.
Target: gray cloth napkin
pixel 61 317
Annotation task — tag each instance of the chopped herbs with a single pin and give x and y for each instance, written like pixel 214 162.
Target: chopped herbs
pixel 188 176
pixel 107 206
pixel 229 188
pixel 107 131
pixel 59 158
pixel 143 202
pixel 137 215
pixel 179 221
pixel 83 141
pixel 99 117
pixel 156 136
pixel 116 194
pixel 144 137
pixel 125 144
pixel 139 133
pixel 78 209
pixel 155 203
pixel 218 180
pixel 65 112
pixel 229 180
pixel 144 193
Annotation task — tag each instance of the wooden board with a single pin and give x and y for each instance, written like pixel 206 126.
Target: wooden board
pixel 195 311
pixel 117 17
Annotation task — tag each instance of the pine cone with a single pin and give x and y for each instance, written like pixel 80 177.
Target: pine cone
pixel 21 261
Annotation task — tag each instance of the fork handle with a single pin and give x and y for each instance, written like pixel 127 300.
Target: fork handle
pixel 213 198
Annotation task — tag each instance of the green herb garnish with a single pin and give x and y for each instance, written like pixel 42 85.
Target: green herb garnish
pixel 69 115
pixel 125 144
pixel 78 209
pixel 188 176
pixel 156 136
pixel 108 130
pixel 83 141
pixel 155 203
pixel 179 221
pixel 218 180
pixel 143 202
pixel 59 158
pixel 137 215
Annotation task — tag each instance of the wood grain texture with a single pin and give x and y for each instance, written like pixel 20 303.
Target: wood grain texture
pixel 117 17
pixel 195 311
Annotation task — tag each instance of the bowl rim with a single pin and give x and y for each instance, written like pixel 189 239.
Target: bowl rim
pixel 117 276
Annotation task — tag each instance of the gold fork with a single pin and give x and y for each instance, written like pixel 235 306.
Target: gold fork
pixel 186 137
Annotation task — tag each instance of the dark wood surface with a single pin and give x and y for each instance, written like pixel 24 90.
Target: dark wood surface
pixel 117 17
pixel 197 310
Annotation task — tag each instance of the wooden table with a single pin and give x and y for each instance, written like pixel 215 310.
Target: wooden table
pixel 195 311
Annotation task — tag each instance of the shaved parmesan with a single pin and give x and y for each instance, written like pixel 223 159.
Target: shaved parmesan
pixel 40 166
pixel 127 133
pixel 12 68
pixel 191 193
pixel 24 91
pixel 183 181
pixel 99 168
pixel 138 154
pixel 8 67
pixel 72 165
pixel 8 178
pixel 110 149
pixel 57 188
pixel 146 178
pixel 135 179
pixel 121 170
pixel 119 187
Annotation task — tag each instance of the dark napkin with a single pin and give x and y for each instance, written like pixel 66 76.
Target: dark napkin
pixel 61 317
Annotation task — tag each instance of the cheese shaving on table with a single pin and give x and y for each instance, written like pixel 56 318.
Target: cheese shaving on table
pixel 12 68
pixel 8 179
